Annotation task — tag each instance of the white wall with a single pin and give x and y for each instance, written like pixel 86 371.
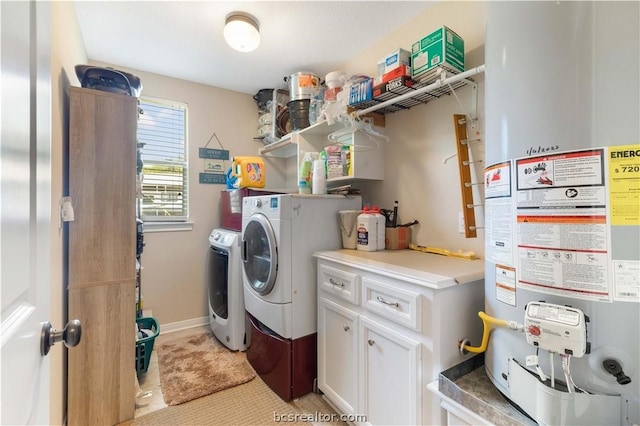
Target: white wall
pixel 173 278
pixel 415 175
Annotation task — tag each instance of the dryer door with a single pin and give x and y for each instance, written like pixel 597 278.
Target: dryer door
pixel 259 254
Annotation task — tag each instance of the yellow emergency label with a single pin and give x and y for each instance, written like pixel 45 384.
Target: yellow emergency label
pixel 624 184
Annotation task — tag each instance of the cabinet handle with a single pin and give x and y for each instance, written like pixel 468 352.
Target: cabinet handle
pixel 371 342
pixel 345 327
pixel 381 300
pixel 332 281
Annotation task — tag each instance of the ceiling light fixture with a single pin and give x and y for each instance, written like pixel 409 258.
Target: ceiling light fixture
pixel 241 31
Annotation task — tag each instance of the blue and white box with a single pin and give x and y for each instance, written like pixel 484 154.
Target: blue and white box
pixel 393 60
pixel 361 91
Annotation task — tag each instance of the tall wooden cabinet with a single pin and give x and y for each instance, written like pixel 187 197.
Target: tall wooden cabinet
pixel 102 255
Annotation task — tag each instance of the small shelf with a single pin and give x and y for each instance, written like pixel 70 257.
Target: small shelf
pixel 287 145
pixel 284 148
pixel 413 100
pixel 403 98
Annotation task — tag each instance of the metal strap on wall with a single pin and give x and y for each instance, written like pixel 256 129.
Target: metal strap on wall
pixel 466 186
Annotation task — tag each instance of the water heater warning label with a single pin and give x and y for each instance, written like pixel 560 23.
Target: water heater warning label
pixel 566 224
pixel 561 225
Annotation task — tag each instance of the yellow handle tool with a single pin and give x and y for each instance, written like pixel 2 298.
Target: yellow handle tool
pixel 461 254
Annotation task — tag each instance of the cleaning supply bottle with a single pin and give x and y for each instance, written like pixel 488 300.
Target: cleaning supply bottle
pixel 249 172
pixel 367 231
pixel 318 178
pixel 304 173
pixel 380 227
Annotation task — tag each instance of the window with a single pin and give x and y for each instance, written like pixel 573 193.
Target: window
pixel 162 140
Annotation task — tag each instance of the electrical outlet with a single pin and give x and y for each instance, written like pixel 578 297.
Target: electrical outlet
pixel 460 223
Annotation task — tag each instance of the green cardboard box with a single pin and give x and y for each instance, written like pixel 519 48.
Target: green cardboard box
pixel 442 48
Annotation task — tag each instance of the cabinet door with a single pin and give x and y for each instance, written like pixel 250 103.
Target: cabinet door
pixel 102 255
pixel 102 186
pixel 390 376
pixel 337 354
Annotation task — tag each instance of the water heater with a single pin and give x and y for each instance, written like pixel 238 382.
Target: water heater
pixel 562 204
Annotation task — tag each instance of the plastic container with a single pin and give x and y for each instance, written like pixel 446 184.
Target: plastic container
pixel 380 227
pixel 318 179
pixel 349 228
pixel 303 85
pixel 299 113
pixel 305 172
pixel 144 346
pixel 249 172
pixel 367 231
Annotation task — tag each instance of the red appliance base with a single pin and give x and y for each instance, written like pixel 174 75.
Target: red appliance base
pixel 287 366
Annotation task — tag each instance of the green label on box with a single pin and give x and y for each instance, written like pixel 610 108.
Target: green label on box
pixel 439 47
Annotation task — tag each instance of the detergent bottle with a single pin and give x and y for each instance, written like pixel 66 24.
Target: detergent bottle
pixel 249 171
pixel 305 173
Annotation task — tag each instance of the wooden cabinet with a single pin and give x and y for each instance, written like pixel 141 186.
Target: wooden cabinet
pixel 395 318
pixel 101 256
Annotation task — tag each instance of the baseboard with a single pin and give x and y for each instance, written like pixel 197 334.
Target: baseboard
pixel 183 325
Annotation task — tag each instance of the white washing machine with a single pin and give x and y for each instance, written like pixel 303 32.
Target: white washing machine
pixel 226 297
pixel 280 233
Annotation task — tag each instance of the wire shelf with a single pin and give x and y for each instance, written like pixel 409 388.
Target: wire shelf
pixel 402 98
pixel 404 104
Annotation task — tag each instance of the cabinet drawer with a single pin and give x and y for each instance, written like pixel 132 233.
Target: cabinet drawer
pixel 396 304
pixel 342 284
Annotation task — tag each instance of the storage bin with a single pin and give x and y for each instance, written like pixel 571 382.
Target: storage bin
pixel 144 346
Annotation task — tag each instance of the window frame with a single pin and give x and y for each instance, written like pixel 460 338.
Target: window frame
pixel 166 222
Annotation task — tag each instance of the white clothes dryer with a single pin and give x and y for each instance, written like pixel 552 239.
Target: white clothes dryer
pixel 227 317
pixel 280 233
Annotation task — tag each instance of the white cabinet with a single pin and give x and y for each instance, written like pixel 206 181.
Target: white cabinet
pixel 338 352
pixel 388 323
pixel 366 153
pixel 390 361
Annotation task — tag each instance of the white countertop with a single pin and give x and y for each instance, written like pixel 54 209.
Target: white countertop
pixel 427 269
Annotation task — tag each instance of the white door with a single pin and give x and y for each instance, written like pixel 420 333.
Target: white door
pixel 338 354
pixel 391 391
pixel 25 141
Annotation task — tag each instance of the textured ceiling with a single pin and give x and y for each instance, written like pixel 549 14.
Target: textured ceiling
pixel 184 39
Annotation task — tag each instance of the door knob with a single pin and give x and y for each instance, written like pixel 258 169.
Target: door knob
pixel 70 336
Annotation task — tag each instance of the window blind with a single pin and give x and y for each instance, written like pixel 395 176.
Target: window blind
pixel 162 136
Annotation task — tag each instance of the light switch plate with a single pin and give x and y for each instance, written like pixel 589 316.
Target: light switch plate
pixel 460 223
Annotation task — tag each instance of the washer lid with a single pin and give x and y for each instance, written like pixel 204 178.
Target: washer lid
pixel 223 238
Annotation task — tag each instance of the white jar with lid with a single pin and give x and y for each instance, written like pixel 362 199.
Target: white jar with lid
pixel 367 231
